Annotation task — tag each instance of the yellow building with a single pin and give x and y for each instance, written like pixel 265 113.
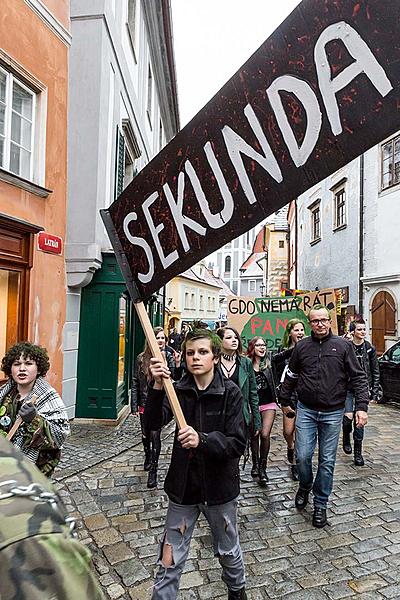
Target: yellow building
pixel 193 295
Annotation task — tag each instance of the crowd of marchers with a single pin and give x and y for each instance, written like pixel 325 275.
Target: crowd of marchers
pixel 323 383
pixel 229 397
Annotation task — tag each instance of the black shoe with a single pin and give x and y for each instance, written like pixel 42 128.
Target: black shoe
pixel 254 469
pixel 347 427
pixel 301 498
pixel 152 478
pixel 237 594
pixel 147 461
pixel 358 457
pixel 290 455
pixel 319 517
pixel 262 474
pixel 294 472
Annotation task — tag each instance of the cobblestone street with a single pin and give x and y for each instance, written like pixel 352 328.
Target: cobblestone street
pixel 357 555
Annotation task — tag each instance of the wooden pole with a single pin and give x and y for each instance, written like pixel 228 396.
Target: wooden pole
pixel 18 422
pixel 156 352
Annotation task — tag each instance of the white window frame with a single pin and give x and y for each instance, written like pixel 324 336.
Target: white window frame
pixel 252 285
pixel 10 80
pixel 337 195
pixel 315 235
pixel 150 91
pixel 132 17
pixel 391 164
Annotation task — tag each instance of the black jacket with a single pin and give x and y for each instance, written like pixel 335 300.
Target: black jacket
pixel 319 370
pixel 217 415
pixel 140 383
pixel 370 365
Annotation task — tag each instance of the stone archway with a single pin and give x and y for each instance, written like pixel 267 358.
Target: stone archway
pixel 383 318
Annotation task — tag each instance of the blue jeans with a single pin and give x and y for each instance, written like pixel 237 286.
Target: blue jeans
pixel 358 432
pixel 313 425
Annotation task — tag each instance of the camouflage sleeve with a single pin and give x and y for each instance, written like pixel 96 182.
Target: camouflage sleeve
pixel 37 434
pixel 47 566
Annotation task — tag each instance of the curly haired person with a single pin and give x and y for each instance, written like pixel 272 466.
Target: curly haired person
pixel 45 423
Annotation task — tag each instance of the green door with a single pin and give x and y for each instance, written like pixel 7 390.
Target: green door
pixel 110 337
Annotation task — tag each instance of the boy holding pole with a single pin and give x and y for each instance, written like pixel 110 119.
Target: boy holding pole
pixel 203 476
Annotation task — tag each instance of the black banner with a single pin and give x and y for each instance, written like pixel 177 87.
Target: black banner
pixel 321 90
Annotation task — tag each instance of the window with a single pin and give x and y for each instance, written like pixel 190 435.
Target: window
pixel 132 21
pixel 150 96
pixel 193 300
pixel 252 285
pixel 186 304
pixel 161 136
pixel 127 151
pixel 315 222
pixel 227 264
pixel 281 243
pixel 339 200
pixel 201 302
pixel 17 112
pixel 391 163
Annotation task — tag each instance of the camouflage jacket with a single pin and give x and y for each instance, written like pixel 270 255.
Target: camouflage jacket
pixel 41 439
pixel 40 559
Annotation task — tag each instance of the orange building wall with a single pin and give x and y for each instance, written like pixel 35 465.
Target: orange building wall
pixel 29 41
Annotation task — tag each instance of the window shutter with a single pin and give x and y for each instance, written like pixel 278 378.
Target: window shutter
pixel 120 163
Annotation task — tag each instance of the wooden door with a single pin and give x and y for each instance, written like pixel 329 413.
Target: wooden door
pixel 383 319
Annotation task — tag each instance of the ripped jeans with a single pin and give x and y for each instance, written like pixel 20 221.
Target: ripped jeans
pixel 179 526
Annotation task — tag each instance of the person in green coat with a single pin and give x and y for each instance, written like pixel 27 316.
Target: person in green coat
pixel 240 370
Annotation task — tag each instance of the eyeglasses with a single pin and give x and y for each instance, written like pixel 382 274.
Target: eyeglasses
pixel 259 345
pixel 318 321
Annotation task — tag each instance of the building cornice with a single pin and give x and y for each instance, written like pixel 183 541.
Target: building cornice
pixel 381 279
pixel 41 10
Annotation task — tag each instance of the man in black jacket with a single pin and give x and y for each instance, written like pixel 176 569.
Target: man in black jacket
pixel 368 360
pixel 203 476
pixel 319 369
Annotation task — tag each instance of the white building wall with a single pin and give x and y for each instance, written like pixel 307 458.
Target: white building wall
pixel 108 83
pixel 382 237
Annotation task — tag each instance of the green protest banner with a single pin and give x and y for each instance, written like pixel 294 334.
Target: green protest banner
pixel 268 317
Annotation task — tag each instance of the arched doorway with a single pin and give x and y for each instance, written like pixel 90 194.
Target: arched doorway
pixel 383 314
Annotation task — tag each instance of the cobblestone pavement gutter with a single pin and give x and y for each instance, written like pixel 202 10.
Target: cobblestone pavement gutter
pixel 357 555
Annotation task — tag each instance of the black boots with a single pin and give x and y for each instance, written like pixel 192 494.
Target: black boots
pixel 295 473
pixel 319 517
pixel 147 454
pixel 358 457
pixel 301 498
pixel 237 594
pixel 347 427
pixel 254 468
pixel 262 473
pixel 152 478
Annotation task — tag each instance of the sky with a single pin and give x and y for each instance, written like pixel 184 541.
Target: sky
pixel 213 38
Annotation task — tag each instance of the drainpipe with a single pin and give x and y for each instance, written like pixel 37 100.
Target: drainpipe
pixel 361 239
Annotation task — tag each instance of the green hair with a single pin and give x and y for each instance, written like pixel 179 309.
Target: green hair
pixel 286 336
pixel 198 334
